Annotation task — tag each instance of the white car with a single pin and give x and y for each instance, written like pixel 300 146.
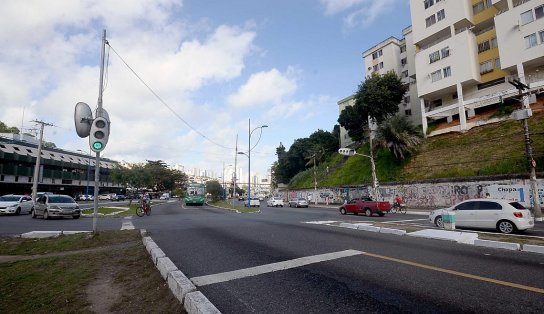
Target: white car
pixel 49 206
pixel 254 202
pixel 503 215
pixel 16 204
pixel 274 202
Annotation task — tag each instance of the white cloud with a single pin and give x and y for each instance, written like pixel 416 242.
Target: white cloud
pixel 263 88
pixel 360 12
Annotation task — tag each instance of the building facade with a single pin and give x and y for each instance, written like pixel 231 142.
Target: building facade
pixel 467 51
pixel 61 171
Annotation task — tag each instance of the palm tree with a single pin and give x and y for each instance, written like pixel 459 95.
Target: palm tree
pixel 398 135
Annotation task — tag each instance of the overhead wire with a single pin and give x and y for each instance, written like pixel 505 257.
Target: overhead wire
pixel 166 105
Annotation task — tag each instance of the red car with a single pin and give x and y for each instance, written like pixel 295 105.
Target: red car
pixel 365 205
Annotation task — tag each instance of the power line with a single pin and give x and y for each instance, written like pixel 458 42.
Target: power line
pixel 166 105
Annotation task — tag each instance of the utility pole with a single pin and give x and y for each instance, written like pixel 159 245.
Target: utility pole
pixel 234 195
pixel 524 115
pixel 315 183
pixel 37 166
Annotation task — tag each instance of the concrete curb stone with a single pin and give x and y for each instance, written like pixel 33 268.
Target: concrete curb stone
pixel 393 231
pixel 196 302
pixel 368 228
pixel 156 253
pixel 498 245
pixel 533 248
pixel 180 285
pixel 165 266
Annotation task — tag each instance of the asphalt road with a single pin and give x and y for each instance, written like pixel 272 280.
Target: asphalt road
pixel 276 262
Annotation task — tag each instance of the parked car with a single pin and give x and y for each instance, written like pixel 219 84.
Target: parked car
pixel 165 196
pixel 503 215
pixel 104 197
pixel 49 206
pixel 275 202
pixel 298 202
pixel 365 205
pixel 119 197
pixel 241 198
pixel 16 204
pixel 254 202
pixel 85 197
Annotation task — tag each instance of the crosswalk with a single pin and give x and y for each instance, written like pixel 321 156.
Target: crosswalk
pixel 127 223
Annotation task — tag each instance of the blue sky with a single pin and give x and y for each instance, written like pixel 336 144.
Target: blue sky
pixel 216 64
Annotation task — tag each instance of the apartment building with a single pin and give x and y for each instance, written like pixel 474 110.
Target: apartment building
pixel 395 55
pixel 468 50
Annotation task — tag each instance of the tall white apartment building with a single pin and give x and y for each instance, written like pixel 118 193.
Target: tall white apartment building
pixel 466 51
pixel 395 55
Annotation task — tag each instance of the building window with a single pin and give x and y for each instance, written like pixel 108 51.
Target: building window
pixel 486 67
pixel 440 15
pixel 436 76
pixel 539 12
pixel 16 178
pixel 408 112
pixel 405 73
pixel 483 46
pixel 377 54
pixel 428 3
pixel 406 99
pixel 445 52
pixel 430 20
pixel 541 35
pixel 454 96
pixel 381 65
pixel 478 7
pixel 433 57
pixel 403 61
pixel 527 17
pixel 447 71
pixel 494 42
pixel 530 41
pixel 497 63
pixel 402 48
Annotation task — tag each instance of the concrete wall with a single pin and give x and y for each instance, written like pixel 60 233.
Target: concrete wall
pixel 430 194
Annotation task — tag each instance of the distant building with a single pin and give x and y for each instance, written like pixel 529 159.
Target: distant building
pixel 61 171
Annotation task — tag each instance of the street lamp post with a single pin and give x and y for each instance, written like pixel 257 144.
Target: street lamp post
pixel 249 158
pixel 351 152
pixel 223 175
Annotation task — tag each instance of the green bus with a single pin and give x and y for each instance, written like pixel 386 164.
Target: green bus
pixel 195 194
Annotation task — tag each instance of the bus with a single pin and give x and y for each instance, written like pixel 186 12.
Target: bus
pixel 195 194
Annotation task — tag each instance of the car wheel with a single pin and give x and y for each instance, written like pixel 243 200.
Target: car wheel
pixel 76 216
pixel 506 226
pixel 33 213
pixel 45 215
pixel 381 214
pixel 342 211
pixel 18 211
pixel 439 222
pixel 368 212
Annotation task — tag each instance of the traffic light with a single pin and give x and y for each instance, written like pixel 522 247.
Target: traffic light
pixel 100 131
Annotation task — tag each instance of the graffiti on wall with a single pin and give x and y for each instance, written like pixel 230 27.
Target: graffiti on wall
pixel 433 195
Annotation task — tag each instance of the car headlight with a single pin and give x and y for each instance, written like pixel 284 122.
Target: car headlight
pixel 12 205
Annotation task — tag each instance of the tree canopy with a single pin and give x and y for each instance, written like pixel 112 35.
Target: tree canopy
pixel 300 155
pixel 153 175
pixel 378 98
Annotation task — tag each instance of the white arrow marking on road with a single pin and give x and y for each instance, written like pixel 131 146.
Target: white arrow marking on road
pixel 258 270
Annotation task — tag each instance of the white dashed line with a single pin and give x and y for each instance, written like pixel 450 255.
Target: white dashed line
pixel 258 270
pixel 127 224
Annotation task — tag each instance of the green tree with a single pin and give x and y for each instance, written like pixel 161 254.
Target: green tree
pixel 215 189
pixel 5 129
pixel 399 136
pixel 377 97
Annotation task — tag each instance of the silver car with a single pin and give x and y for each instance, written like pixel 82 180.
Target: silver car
pixel 49 206
pixel 16 204
pixel 298 202
pixel 503 215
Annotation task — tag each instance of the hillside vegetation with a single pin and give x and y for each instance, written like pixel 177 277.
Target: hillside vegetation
pixel 494 149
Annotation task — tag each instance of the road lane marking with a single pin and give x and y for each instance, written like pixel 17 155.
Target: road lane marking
pixel 268 268
pixel 457 273
pixel 127 224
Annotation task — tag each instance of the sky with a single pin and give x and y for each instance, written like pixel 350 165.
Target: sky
pixel 214 69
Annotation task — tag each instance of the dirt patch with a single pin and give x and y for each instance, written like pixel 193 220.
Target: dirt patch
pixel 103 293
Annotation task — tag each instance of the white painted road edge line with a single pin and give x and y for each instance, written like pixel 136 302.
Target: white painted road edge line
pixel 263 269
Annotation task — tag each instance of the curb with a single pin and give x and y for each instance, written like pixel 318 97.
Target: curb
pixel 48 234
pixel 498 245
pixel 182 287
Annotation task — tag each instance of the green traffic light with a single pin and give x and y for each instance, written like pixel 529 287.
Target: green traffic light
pixel 97 145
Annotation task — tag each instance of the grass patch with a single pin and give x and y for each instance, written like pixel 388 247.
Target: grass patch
pixel 59 284
pixel 20 246
pixel 242 209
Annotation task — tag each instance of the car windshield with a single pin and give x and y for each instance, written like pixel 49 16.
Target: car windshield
pixel 301 199
pixel 60 199
pixel 517 205
pixel 10 198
